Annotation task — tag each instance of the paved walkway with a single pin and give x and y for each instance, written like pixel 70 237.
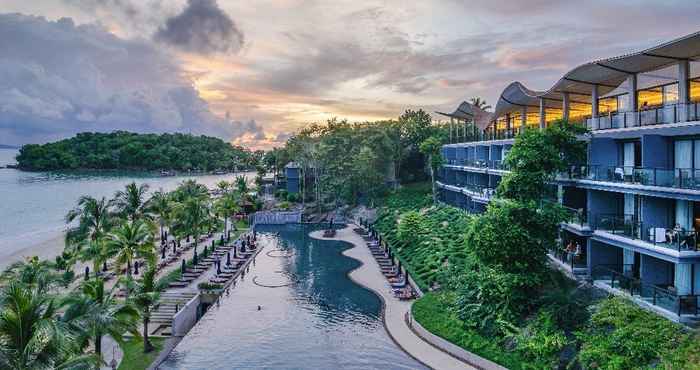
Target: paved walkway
pixel 369 276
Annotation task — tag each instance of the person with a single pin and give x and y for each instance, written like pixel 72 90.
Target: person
pixel 330 223
pixel 645 105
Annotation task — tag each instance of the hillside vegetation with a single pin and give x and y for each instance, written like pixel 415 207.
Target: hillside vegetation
pixel 126 150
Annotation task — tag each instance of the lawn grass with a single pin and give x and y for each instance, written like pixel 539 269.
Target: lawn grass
pixel 432 312
pixel 135 359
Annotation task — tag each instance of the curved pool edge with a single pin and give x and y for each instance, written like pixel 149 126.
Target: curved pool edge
pixel 394 323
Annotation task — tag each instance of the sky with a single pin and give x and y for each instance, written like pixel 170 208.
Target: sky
pixel 254 72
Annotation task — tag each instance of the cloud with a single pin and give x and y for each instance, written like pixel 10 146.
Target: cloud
pixel 57 79
pixel 202 27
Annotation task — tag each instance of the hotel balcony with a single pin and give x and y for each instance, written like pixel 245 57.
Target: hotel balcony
pixel 657 239
pixel 665 114
pixel 663 298
pixel 679 178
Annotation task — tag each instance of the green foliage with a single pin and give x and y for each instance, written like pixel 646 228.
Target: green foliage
pixel 434 312
pixel 541 340
pixel 134 358
pixel 537 156
pixel 622 335
pixel 126 150
pixel 429 242
pixel 209 286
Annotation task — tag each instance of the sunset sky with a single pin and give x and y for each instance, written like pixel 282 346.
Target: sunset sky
pixel 253 72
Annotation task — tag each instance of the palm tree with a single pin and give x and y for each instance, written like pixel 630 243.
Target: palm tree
pixel 191 216
pixel 94 217
pixel 242 184
pixel 130 202
pixel 228 205
pixel 33 273
pixel 95 312
pixel 94 251
pixel 160 206
pixel 144 299
pixel 223 186
pixel 190 189
pixel 131 240
pixel 479 103
pixel 30 335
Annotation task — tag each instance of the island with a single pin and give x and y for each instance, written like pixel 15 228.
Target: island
pixel 122 150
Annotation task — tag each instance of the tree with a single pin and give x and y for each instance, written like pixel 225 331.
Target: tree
pixel 160 206
pixel 146 296
pixel 190 216
pixel 431 148
pixel 94 312
pixel 132 240
pixel 131 202
pixel 479 103
pixel 94 251
pixel 33 273
pixel 227 206
pixel 30 335
pixel 95 218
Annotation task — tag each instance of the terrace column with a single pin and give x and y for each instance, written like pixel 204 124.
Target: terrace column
pixel 543 118
pixel 565 106
pixel 507 123
pixel 633 99
pixel 683 90
pixel 523 118
pixel 594 108
pixel 452 123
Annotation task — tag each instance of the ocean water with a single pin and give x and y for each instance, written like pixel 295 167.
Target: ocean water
pixel 312 315
pixel 33 204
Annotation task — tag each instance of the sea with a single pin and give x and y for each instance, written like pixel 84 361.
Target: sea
pixel 33 205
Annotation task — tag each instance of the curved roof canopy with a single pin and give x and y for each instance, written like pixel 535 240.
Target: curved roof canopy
pixel 607 74
pixel 464 111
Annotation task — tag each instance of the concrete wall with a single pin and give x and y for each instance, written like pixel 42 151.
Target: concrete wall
pixel 600 202
pixel 602 151
pixel 603 254
pixel 185 319
pixel 655 271
pixel 656 152
pixel 657 212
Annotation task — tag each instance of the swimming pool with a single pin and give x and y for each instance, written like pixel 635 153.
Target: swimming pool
pixel 312 315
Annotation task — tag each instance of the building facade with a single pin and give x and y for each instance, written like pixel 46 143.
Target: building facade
pixel 635 204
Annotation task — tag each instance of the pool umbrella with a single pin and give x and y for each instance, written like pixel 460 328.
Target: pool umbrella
pixel 228 259
pixel 87 272
pixel 234 251
pixel 162 253
pixel 218 267
pixel 166 234
pixel 174 247
pixel 204 254
pixel 212 244
pixel 136 268
pixel 222 238
pixel 183 268
pixel 398 267
pixel 194 258
pixel 104 266
pixel 188 238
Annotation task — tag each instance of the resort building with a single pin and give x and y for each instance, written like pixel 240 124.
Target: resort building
pixel 635 204
pixel 292 173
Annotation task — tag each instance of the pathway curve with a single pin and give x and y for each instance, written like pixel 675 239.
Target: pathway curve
pixel 369 276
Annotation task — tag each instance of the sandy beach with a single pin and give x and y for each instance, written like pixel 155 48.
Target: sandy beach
pixel 47 249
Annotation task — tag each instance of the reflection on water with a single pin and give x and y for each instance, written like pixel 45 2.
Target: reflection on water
pixel 321 321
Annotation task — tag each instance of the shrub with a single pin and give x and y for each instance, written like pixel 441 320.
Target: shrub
pixel 541 340
pixel 293 197
pixel 621 335
pixel 209 286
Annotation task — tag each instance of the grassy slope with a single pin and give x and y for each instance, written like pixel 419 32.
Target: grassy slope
pixel 135 359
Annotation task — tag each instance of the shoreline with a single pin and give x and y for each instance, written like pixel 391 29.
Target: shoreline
pixel 393 310
pixel 46 250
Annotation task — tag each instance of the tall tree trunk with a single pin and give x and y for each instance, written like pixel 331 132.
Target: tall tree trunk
pixel 147 346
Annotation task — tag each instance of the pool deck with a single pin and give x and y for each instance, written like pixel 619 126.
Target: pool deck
pixel 395 310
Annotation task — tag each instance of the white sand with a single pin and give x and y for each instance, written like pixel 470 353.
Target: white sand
pixel 47 249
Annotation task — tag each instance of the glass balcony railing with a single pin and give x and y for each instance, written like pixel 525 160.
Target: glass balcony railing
pixel 683 178
pixel 576 216
pixel 622 277
pixel 630 227
pixel 490 164
pixel 669 113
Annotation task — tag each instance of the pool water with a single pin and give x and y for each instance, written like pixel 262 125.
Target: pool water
pixel 312 315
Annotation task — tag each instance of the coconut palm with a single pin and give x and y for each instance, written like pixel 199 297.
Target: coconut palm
pixel 223 186
pixel 227 206
pixel 33 273
pixel 160 206
pixel 191 216
pixel 146 296
pixel 94 251
pixel 131 202
pixel 190 189
pixel 132 240
pixel 479 103
pixel 94 312
pixel 30 335
pixel 95 218
pixel 241 184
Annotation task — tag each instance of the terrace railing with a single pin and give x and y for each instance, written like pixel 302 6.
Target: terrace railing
pixel 682 178
pixel 631 227
pixel 620 277
pixel 577 216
